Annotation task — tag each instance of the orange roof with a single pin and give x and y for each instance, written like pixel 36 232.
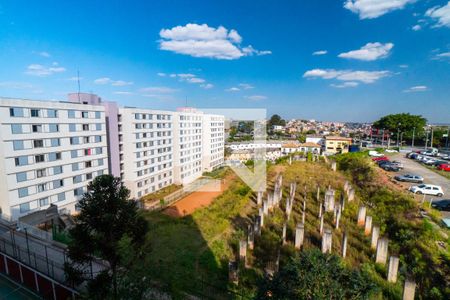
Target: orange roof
pixel 309 144
pixel 338 138
pixel 290 145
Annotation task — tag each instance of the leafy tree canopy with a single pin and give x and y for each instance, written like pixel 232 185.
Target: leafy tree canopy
pixel 313 275
pixel 276 120
pixel 403 122
pixel 106 217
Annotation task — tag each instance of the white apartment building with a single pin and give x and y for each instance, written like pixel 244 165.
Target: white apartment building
pixel 146 149
pixel 213 141
pixel 49 152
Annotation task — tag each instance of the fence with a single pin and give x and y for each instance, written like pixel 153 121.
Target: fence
pixel 32 230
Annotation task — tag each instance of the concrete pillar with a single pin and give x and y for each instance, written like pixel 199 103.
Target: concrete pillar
pixel 382 251
pixel 342 202
pixel 346 186
pixel 303 216
pixel 329 200
pixel 259 198
pixel 250 237
pixel 338 217
pixel 233 272
pixel 368 226
pixel 284 233
pixel 344 245
pixel 290 160
pixel 326 241
pixel 321 225
pixel 375 236
pixel 299 235
pixel 392 269
pixel 318 194
pixel 409 290
pixel 242 251
pixel 333 166
pixel 257 225
pixel 266 206
pixel 320 209
pixel 351 194
pixel 361 216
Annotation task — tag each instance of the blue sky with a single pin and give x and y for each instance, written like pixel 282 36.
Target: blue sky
pixel 340 60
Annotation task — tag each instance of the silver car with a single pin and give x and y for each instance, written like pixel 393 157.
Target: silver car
pixel 409 178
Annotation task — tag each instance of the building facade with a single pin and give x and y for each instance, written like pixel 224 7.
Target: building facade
pixel 337 144
pixel 49 152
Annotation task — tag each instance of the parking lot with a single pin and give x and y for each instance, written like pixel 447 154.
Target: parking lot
pixel 413 167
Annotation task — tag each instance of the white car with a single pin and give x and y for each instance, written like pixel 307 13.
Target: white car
pixel 375 153
pixel 427 189
pixel 391 151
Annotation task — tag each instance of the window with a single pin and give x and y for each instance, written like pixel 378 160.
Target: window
pixel 16 128
pixel 57 170
pixel 88 164
pixel 39 158
pixel 40 173
pixel 18 145
pixel 99 173
pixel 16 112
pixel 24 207
pixel 35 113
pixel 72 127
pixel 54 156
pixel 88 176
pixel 21 161
pixel 78 192
pixel 22 176
pixel 52 113
pixel 98 115
pixel 85 127
pixel 71 114
pixel 74 153
pixel 84 114
pixel 74 140
pixel 43 201
pixel 41 187
pixel 61 196
pixel 53 127
pixel 23 192
pixel 38 143
pixel 77 179
pixel 58 183
pixel 75 167
pixel 87 152
pixel 100 162
pixel 86 140
pixel 55 142
pixel 98 126
pixel 36 128
pixel 98 138
pixel 99 150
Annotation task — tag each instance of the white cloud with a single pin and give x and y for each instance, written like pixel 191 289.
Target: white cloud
pixel 440 14
pixel 345 84
pixel 233 89
pixel 158 90
pixel 161 74
pixel 195 80
pixel 246 86
pixel 371 9
pixel 40 70
pixel 16 85
pixel 207 86
pixel 320 52
pixel 123 93
pixel 107 80
pixel 204 41
pixel 403 66
pixel 44 54
pixel 418 88
pixel 369 52
pixel 443 55
pixel 416 27
pixel 256 97
pixel 75 78
pixel 347 75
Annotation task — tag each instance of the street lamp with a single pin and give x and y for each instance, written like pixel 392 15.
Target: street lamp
pixel 398 132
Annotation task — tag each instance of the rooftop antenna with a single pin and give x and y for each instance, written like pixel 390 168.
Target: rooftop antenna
pixel 79 86
pixel 186 102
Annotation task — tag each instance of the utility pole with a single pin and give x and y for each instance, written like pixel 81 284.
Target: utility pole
pixel 382 139
pixel 412 143
pixel 431 141
pixel 446 138
pixel 398 133
pixel 426 140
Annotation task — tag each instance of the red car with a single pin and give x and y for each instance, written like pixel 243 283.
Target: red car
pixel 380 158
pixel 444 167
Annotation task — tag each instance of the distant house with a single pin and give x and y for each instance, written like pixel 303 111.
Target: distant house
pixel 277 128
pixel 336 144
pixel 315 139
pixel 293 147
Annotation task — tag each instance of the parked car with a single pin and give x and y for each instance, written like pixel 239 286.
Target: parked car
pixel 391 151
pixel 380 158
pixel 390 167
pixel 431 152
pixel 444 167
pixel 382 162
pixel 427 189
pixel 374 153
pixel 398 164
pixel 409 178
pixel 413 155
pixel 429 161
pixel 441 205
pixel 439 162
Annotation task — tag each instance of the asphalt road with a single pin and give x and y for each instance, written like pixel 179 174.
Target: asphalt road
pixel 413 167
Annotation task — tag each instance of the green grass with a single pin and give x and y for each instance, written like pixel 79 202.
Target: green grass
pixel 161 193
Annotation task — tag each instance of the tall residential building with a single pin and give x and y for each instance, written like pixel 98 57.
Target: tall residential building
pixel 49 152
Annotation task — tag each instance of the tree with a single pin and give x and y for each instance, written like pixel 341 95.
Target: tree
pixel 107 217
pixel 313 275
pixel 403 122
pixel 276 120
